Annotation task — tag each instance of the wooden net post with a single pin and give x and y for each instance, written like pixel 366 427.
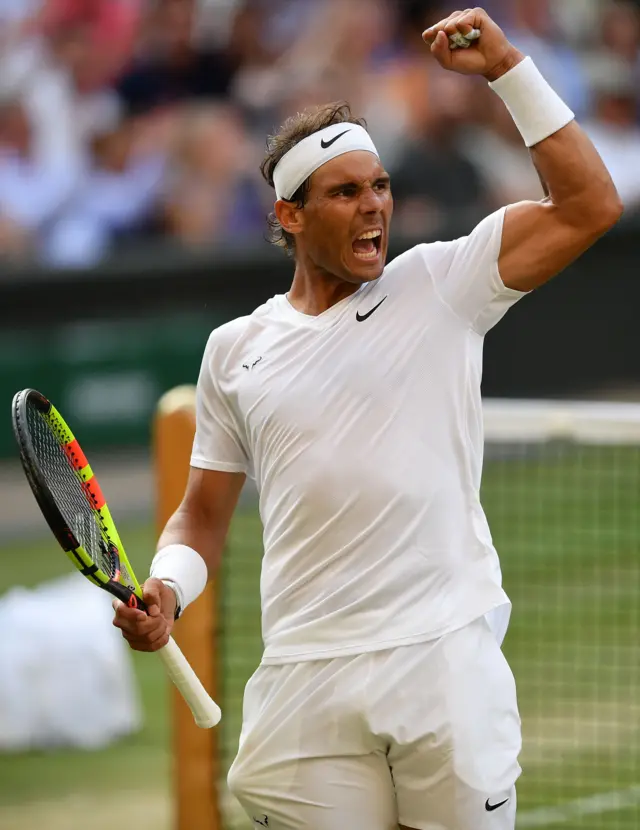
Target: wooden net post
pixel 195 751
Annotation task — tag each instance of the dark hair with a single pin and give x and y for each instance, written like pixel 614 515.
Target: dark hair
pixel 294 129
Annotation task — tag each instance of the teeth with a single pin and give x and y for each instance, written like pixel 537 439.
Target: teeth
pixel 371 234
pixel 372 255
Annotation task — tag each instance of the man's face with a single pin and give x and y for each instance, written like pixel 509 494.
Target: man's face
pixel 349 198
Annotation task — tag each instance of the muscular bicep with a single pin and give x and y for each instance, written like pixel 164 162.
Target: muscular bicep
pixel 538 243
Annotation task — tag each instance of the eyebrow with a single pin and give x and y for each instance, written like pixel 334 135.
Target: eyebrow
pixel 382 178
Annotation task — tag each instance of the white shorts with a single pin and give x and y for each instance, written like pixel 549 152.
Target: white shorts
pixel 426 736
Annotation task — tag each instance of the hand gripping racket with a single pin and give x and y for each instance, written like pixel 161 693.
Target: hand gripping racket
pixel 71 501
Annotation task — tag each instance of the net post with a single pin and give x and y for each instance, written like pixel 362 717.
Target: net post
pixel 196 758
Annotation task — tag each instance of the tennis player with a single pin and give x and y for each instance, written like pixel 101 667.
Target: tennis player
pixel 383 699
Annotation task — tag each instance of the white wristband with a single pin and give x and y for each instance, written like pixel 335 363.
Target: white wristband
pixel 183 569
pixel 537 110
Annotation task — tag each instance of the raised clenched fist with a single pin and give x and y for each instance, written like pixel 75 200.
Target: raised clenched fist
pixel 490 55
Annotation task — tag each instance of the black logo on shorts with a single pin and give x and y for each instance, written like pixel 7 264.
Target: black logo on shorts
pixel 491 807
pixel 264 821
pixel 324 144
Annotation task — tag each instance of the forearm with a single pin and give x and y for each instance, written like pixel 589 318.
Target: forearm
pixel 539 238
pixel 576 183
pixel 573 175
pixel 190 547
pixel 198 532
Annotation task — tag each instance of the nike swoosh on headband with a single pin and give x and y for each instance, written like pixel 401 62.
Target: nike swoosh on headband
pixel 324 144
pixel 317 149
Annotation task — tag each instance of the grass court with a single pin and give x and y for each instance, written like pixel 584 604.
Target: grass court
pixel 566 522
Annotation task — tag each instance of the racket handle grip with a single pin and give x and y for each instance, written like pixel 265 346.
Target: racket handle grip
pixel 206 711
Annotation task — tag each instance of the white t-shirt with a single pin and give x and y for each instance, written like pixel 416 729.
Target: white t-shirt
pixel 365 440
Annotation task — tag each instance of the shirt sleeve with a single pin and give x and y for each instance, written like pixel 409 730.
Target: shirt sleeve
pixel 217 444
pixel 466 276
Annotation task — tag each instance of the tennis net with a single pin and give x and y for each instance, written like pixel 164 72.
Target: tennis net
pixel 561 488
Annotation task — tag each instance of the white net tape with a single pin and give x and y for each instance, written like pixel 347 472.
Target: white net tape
pixel 579 421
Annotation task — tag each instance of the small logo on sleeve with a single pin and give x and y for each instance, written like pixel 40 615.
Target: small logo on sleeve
pixel 251 363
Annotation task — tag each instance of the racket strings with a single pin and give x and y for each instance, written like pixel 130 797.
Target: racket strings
pixel 66 488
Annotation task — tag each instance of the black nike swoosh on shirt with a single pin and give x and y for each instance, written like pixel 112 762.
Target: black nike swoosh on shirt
pixel 324 144
pixel 491 807
pixel 361 317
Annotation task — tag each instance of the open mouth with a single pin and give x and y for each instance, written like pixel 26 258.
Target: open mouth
pixel 367 245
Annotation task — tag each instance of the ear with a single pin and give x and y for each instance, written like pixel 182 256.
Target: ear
pixel 289 215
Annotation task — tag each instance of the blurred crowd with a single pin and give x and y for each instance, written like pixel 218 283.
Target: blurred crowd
pixel 126 122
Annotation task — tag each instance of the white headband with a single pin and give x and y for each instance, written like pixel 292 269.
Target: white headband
pixel 312 152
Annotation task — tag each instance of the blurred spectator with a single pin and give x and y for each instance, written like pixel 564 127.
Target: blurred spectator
pixel 171 66
pixel 33 189
pixel 116 197
pixel 531 26
pixel 350 60
pixel 357 63
pixel 122 119
pixel 104 33
pixel 61 71
pixel 435 179
pixel 264 42
pixel 16 17
pixel 620 27
pixel 578 22
pixel 493 144
pixel 212 193
pixel 614 127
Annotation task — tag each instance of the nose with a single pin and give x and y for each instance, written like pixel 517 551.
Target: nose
pixel 370 201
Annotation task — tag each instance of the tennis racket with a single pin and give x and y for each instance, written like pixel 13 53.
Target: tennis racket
pixel 72 502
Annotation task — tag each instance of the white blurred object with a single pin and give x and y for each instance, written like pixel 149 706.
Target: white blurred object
pixel 577 20
pixel 459 41
pixel 66 678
